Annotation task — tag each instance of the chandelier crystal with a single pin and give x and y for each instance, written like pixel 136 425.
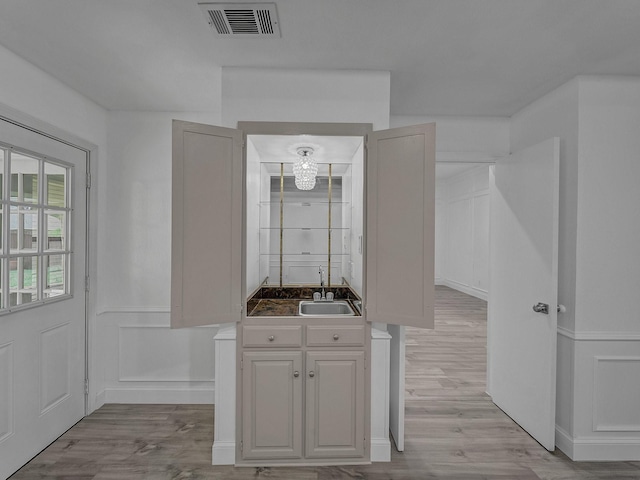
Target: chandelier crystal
pixel 305 169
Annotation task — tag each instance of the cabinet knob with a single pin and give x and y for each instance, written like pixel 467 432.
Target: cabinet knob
pixel 296 374
pixel 336 336
pixel 311 374
pixel 272 338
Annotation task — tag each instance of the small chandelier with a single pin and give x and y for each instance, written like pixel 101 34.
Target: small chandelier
pixel 305 169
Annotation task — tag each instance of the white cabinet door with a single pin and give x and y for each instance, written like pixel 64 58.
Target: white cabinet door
pixel 400 226
pixel 272 405
pixel 206 240
pixel 335 410
pixel 524 272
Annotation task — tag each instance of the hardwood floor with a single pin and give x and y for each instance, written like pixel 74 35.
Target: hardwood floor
pixel 453 431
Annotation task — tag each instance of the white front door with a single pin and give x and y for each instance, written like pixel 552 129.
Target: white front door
pixel 42 285
pixel 523 273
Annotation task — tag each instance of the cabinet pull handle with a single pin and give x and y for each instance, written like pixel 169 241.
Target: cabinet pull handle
pixel 336 336
pixel 296 374
pixel 311 374
pixel 272 338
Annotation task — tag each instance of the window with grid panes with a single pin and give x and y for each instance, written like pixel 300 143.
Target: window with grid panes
pixel 36 213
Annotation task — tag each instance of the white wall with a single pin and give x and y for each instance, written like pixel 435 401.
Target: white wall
pixel 596 119
pixel 464 139
pixel 341 96
pixel 141 358
pixel 462 236
pixel 608 199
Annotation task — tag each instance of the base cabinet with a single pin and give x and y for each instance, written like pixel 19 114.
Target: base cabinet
pixel 303 406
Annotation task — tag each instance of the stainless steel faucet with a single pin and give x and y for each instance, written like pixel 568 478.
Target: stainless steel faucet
pixel 321 273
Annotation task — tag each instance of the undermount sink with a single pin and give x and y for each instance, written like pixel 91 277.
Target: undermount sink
pixel 325 309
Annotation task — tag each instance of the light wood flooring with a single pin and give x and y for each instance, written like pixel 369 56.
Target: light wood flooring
pixel 453 431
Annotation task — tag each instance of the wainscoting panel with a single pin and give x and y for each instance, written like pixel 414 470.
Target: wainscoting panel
pixel 55 374
pixel 614 412
pixel 156 353
pixel 603 400
pixel 6 390
pixel 142 360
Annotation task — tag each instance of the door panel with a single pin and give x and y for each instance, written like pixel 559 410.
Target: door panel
pixel 335 404
pixel 42 349
pixel 272 405
pixel 523 272
pixel 400 226
pixel 206 242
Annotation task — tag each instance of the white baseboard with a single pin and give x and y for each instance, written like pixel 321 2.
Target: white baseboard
pixel 564 442
pixel 461 287
pixel 598 449
pixel 98 402
pixel 159 395
pixel 223 453
pixel 380 450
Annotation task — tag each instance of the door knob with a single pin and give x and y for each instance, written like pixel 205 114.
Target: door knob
pixel 312 374
pixel 541 308
pixel 296 374
pixel 544 308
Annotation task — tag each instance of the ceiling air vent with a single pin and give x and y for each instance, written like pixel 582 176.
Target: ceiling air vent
pixel 242 19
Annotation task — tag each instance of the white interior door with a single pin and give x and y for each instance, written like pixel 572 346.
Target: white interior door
pixel 42 302
pixel 523 273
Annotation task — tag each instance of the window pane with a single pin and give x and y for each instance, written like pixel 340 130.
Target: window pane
pixel 14 187
pixel 56 231
pixel 29 223
pixel 23 280
pixel 56 268
pixel 24 178
pixel 4 153
pixel 23 229
pixel 56 185
pixel 13 232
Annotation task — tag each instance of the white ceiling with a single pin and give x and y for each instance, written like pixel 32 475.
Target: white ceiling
pixel 446 57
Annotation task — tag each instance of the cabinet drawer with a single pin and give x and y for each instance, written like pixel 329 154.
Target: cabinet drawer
pixel 340 335
pixel 277 336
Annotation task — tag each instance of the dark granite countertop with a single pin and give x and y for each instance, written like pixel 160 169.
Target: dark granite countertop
pixel 275 307
pixel 283 301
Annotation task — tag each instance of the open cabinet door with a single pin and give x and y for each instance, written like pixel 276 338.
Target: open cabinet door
pixel 206 240
pixel 524 273
pixel 400 226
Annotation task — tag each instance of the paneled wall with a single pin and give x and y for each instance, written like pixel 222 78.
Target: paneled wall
pixel 462 231
pixel 140 358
